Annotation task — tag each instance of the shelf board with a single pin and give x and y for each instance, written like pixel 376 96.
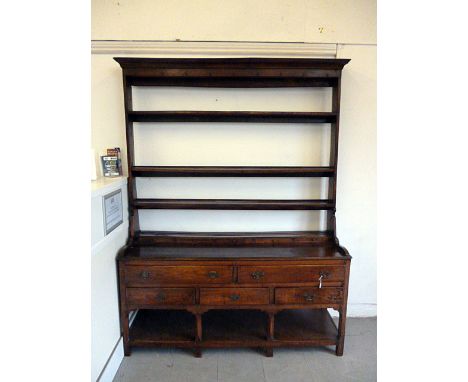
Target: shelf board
pixel 305 325
pixel 322 243
pixel 185 252
pixel 168 327
pixel 236 171
pixel 234 204
pixel 236 327
pixel 232 116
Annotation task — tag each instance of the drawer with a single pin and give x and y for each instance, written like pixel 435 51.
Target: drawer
pixel 182 274
pixel 289 273
pixel 160 296
pixel 308 295
pixel 234 296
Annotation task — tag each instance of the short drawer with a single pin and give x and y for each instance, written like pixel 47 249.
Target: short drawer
pixel 308 295
pixel 290 274
pixel 234 296
pixel 166 275
pixel 160 296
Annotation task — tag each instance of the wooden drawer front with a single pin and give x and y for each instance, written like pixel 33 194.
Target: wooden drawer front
pixel 160 296
pixel 290 274
pixel 308 295
pixel 234 296
pixel 164 275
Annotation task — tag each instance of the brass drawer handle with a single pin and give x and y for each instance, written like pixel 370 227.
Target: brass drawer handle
pixel 257 275
pixel 323 275
pixel 234 297
pixel 213 275
pixel 145 275
pixel 160 297
pixel 308 297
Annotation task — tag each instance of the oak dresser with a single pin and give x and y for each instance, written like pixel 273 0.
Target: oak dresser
pixel 233 289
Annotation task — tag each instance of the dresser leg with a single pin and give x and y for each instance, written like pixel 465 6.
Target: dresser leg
pixel 270 333
pixel 199 335
pixel 125 334
pixel 341 331
pixel 271 326
pixel 127 351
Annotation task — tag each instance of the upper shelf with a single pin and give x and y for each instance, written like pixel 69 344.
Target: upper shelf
pixel 235 171
pixel 232 116
pixel 233 204
pixel 231 72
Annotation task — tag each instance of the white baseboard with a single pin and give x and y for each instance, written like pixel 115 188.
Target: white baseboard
pixel 113 364
pixel 358 310
pixel 115 359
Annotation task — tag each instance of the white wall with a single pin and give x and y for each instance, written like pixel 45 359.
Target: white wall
pixel 342 21
pixel 348 25
pixel 357 175
pixel 105 324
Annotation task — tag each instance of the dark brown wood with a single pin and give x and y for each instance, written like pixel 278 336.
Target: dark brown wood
pixel 230 82
pixel 271 326
pixel 233 328
pixel 270 332
pixel 160 296
pixel 234 289
pixel 123 310
pixel 333 161
pixel 151 275
pixel 253 65
pixel 304 326
pixel 234 239
pixel 199 334
pixel 165 327
pixel 265 274
pixel 231 116
pixel 234 296
pixel 227 171
pixel 308 295
pixel 232 253
pixel 342 319
pixel 131 184
pixel 232 204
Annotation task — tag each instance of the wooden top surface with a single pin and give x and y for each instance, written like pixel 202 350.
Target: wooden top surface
pixel 233 253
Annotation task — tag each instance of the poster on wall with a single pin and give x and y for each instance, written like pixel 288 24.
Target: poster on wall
pixel 113 212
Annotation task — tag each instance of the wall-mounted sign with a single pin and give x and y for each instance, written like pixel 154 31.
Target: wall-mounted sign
pixel 113 213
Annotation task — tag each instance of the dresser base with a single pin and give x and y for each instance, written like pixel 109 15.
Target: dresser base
pixel 264 291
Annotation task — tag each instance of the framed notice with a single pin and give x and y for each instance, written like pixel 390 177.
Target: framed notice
pixel 113 213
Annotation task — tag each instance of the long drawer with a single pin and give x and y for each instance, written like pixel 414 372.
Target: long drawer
pixel 160 296
pixel 308 295
pixel 165 275
pixel 234 296
pixel 289 273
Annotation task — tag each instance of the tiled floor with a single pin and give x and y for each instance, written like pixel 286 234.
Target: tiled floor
pixel 359 362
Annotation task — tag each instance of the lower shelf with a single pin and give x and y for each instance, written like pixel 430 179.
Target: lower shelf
pixel 232 328
pixel 305 326
pixel 163 327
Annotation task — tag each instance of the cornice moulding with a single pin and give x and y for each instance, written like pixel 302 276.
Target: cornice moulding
pixel 218 49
